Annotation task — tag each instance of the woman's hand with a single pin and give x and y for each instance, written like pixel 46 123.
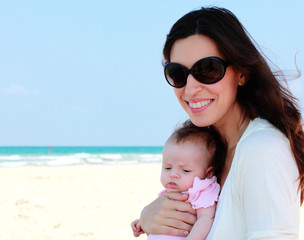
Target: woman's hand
pixel 168 215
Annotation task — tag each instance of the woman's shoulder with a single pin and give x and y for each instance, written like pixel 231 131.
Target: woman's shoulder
pixel 264 155
pixel 260 133
pixel 263 144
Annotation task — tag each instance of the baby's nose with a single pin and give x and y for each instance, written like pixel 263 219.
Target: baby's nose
pixel 174 175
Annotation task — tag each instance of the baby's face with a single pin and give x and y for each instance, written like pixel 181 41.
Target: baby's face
pixel 181 163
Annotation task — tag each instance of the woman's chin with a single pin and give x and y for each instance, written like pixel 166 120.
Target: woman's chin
pixel 200 122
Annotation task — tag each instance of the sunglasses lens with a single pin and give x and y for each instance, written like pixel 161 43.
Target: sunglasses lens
pixel 208 70
pixel 176 75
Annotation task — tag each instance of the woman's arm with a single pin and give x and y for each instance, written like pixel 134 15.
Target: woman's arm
pixel 168 215
pixel 203 224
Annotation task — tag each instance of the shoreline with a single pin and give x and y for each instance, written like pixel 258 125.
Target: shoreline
pixel 77 202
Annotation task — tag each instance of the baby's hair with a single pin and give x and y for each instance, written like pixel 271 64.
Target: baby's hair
pixel 204 135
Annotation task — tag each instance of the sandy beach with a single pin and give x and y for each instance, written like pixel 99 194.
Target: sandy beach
pixel 76 202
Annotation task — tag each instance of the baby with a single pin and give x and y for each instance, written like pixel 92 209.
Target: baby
pixel 192 156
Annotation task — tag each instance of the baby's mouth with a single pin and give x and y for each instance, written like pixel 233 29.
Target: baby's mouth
pixel 172 185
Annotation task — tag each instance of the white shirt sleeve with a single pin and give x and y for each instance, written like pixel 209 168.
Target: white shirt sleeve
pixel 267 185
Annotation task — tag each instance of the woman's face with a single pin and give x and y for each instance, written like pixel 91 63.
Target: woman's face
pixel 206 104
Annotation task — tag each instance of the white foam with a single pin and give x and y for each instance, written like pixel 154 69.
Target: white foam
pixel 73 159
pixel 10 157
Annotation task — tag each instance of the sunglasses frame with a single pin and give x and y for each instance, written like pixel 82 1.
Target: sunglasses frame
pixel 224 64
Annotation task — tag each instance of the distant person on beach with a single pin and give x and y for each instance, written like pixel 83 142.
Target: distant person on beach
pixel 222 80
pixel 191 157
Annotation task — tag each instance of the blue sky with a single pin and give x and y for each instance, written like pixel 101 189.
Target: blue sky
pixel 89 72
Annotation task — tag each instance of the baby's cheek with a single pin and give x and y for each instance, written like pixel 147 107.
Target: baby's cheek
pixel 187 182
pixel 163 178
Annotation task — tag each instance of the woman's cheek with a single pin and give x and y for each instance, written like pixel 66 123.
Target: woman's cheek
pixel 179 92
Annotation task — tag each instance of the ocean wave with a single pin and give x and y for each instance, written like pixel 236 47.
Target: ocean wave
pixel 76 159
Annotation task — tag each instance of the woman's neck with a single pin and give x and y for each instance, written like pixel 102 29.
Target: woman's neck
pixel 231 129
pixel 232 126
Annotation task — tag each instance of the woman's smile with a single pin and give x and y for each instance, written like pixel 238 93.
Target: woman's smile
pixel 196 105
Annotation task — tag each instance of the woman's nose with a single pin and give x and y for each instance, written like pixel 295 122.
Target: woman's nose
pixel 193 86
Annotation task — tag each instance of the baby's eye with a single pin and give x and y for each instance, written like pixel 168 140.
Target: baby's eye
pixel 185 170
pixel 167 168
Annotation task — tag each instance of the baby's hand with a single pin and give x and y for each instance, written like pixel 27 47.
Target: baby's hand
pixel 135 225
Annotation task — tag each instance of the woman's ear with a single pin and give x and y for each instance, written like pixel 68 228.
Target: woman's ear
pixel 209 172
pixel 242 79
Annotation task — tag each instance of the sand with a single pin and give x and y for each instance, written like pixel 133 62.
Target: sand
pixel 76 202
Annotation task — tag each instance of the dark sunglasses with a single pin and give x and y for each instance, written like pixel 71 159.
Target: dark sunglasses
pixel 207 70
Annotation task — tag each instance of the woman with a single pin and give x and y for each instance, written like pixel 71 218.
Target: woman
pixel 221 80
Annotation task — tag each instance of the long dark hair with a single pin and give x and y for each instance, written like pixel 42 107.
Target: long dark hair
pixel 262 95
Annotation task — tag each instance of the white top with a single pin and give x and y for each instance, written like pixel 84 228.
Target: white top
pixel 260 198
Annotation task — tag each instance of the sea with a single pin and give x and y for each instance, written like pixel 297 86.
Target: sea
pixel 76 155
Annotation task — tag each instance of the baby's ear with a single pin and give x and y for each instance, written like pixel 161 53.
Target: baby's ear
pixel 210 172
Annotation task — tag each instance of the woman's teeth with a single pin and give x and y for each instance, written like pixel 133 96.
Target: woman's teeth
pixel 199 104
